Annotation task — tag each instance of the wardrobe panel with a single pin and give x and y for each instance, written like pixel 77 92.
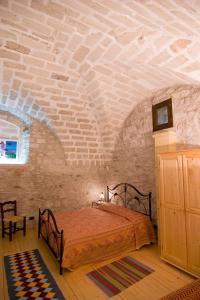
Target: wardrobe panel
pixel 191 165
pixel 193 242
pixel 173 236
pixel 171 180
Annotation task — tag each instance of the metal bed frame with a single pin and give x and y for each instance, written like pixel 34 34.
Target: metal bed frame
pixel 48 229
pixel 48 221
pixel 128 195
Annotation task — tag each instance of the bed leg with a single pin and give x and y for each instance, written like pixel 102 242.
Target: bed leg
pixel 150 213
pixel 61 270
pixel 61 251
pixel 39 224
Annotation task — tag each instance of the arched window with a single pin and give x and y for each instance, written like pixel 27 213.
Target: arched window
pixel 14 143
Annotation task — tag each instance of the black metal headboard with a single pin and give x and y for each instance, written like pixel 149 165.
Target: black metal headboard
pixel 131 197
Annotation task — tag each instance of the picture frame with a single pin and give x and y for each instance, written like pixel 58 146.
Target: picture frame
pixel 162 115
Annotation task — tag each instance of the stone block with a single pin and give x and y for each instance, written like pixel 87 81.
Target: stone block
pixel 81 53
pixel 9 55
pixel 59 77
pixel 50 8
pixel 180 44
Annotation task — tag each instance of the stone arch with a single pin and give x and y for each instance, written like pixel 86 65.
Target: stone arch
pixel 24 107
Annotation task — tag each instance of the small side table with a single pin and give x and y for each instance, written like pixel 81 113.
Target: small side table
pixel 96 203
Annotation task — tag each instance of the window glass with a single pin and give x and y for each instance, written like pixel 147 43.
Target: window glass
pixel 11 149
pixel 14 142
pixel 8 150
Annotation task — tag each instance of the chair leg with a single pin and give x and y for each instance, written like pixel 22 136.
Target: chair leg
pixel 3 229
pixel 24 226
pixel 14 227
pixel 10 231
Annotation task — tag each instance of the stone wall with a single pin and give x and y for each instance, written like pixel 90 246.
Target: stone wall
pixel 82 66
pixel 49 179
pixel 133 157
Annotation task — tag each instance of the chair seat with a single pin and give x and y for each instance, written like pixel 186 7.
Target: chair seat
pixel 13 219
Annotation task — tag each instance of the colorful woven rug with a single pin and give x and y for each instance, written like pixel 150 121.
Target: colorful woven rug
pixel 28 277
pixel 119 275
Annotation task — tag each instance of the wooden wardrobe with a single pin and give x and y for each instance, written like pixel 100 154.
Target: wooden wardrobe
pixel 179 208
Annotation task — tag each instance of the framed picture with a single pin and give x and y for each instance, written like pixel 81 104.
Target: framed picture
pixel 162 115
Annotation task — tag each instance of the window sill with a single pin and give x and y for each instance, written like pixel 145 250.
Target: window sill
pixel 11 162
pixel 15 164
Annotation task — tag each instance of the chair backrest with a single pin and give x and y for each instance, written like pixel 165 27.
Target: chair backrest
pixel 8 206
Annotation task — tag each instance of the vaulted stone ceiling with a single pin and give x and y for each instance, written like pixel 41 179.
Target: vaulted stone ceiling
pixel 82 65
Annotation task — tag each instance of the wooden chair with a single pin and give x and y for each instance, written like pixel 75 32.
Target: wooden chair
pixel 9 222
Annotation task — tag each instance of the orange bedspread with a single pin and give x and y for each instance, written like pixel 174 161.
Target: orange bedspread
pixel 94 234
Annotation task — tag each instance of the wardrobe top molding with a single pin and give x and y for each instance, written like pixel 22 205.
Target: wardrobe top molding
pixel 178 148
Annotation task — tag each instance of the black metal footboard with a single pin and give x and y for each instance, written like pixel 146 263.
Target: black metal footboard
pixel 48 229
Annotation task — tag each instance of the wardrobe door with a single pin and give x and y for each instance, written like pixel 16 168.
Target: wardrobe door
pixel 173 240
pixel 193 242
pixel 172 214
pixel 191 164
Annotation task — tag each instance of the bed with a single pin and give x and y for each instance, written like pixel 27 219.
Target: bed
pixel 95 234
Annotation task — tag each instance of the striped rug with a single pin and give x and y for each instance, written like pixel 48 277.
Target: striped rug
pixel 119 275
